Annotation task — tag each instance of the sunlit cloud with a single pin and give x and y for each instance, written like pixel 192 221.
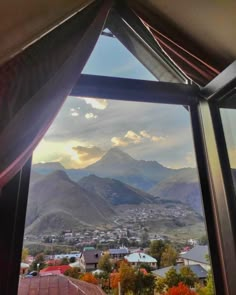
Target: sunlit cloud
pixel 145 134
pixel 88 153
pixel 118 141
pixel 99 104
pixel 190 159
pixel 133 137
pixel 90 116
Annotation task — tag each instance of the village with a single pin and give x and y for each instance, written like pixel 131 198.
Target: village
pixel 124 269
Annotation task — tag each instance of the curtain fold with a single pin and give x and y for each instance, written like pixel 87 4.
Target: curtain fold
pixel 198 64
pixel 35 83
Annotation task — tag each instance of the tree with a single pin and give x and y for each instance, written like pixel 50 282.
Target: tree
pixel 104 263
pixel 89 278
pixel 73 272
pixel 38 263
pixel 156 250
pixel 144 284
pixel 203 240
pixel 127 278
pixel 145 266
pixel 187 276
pixel 144 238
pixel 72 259
pixel 181 289
pixel 24 254
pixel 172 278
pixel 64 261
pixel 114 280
pixel 169 256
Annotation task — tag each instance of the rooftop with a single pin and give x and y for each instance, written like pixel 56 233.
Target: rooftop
pixel 140 257
pixel 56 284
pixel 198 254
pixel 197 269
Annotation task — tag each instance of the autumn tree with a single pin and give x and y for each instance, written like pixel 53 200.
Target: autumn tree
pixel 24 254
pixel 173 278
pixel 89 278
pixel 181 289
pixel 127 278
pixel 104 263
pixel 114 280
pixel 169 256
pixel 73 272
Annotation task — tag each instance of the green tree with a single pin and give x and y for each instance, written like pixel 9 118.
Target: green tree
pixel 203 240
pixel 146 266
pixel 169 256
pixel 72 259
pixel 64 261
pixel 144 284
pixel 38 263
pixel 157 249
pixel 187 276
pixel 104 263
pixel 172 278
pixel 73 272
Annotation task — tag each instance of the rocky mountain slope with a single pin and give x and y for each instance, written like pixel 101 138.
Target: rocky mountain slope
pixel 57 202
pixel 114 191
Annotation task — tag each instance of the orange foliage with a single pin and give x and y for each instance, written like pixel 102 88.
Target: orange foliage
pixel 114 280
pixel 181 289
pixel 89 278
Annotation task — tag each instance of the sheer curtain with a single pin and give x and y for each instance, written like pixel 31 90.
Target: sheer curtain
pixel 35 83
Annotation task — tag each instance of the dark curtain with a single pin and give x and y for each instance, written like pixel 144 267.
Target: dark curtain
pixel 35 83
pixel 196 62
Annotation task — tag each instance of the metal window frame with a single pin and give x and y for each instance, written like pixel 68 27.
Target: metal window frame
pixel 212 161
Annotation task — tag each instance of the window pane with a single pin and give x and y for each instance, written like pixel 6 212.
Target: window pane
pixel 118 177
pixel 229 122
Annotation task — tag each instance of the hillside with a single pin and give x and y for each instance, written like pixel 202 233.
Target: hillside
pixel 183 186
pixel 114 191
pixel 56 202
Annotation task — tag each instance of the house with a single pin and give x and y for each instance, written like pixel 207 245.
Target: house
pixel 197 269
pixel 197 255
pixel 55 269
pixel 136 259
pixel 57 284
pixel 24 268
pixel 118 253
pixel 89 260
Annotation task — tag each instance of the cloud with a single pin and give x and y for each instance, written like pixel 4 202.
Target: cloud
pixel 145 134
pixel 75 114
pixel 90 116
pixel 99 104
pixel 88 153
pixel 118 141
pixel 157 138
pixel 133 137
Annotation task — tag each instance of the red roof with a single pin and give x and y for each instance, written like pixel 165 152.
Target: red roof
pixel 61 268
pixel 56 285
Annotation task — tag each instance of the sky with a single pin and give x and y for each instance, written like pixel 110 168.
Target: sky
pixel 86 128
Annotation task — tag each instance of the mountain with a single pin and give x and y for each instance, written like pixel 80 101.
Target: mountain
pixel 183 186
pixel 56 203
pixel 114 191
pixel 47 168
pixel 138 173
